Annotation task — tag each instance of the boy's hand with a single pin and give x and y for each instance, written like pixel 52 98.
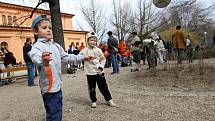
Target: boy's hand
pixel 46 57
pixel 99 72
pixel 89 57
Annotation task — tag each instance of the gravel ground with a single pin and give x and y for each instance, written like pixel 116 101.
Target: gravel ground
pixel 138 95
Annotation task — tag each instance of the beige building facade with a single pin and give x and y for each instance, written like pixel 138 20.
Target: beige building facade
pixel 15 27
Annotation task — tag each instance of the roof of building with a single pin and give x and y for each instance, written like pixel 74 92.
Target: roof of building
pixel 8 5
pixel 29 29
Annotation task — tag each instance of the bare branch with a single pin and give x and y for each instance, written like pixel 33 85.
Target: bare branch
pixel 94 15
pixel 28 16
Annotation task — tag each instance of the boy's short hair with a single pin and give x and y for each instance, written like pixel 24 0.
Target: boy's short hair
pixel 37 20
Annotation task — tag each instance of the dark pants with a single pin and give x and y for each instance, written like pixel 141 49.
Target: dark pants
pixel 143 56
pixel 190 54
pixel 102 85
pixel 31 72
pixel 114 62
pixel 180 55
pixel 108 62
pixel 53 104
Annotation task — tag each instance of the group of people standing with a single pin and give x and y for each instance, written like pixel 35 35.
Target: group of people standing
pixel 76 49
pixel 47 56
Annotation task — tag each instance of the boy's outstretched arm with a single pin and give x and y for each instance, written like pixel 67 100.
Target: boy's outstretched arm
pixel 73 58
pixel 36 56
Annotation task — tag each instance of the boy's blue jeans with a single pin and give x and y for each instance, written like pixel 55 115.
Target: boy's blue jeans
pixel 53 104
pixel 31 72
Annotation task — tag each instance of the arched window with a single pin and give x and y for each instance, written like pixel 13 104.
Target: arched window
pixel 4 20
pixel 9 20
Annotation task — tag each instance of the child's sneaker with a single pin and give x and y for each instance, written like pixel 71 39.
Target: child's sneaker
pixel 93 105
pixel 111 103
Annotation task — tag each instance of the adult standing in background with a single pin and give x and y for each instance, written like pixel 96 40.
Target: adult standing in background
pixel 135 45
pixel 76 52
pixel 70 49
pixel 214 40
pixel 9 60
pixel 189 48
pixel 80 49
pixel 113 49
pixel 2 66
pixel 30 65
pixel 82 46
pixel 160 48
pixel 179 43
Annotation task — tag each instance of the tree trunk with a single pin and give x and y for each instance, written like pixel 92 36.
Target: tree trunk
pixel 57 28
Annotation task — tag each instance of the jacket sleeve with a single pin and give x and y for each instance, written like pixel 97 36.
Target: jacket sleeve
pixel 69 57
pixel 36 55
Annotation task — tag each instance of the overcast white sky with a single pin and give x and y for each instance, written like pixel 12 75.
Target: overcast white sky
pixel 73 6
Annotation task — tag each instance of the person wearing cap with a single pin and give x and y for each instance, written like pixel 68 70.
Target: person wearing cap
pixel 113 50
pixel 94 70
pixel 160 49
pixel 47 55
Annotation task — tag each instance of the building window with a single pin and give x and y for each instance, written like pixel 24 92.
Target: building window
pixel 3 20
pixel 9 20
pixel 14 21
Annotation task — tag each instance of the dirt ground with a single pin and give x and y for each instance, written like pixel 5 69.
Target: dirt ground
pixel 184 95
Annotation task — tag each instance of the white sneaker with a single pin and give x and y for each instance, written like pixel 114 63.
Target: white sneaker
pixel 111 103
pixel 93 105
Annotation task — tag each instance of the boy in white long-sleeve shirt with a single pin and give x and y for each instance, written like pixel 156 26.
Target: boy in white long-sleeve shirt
pixel 94 71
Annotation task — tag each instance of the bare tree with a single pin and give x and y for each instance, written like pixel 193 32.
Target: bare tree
pixel 192 16
pixel 147 18
pixel 121 13
pixel 94 15
pixel 54 6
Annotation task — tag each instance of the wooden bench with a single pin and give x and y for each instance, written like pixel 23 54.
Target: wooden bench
pixel 14 69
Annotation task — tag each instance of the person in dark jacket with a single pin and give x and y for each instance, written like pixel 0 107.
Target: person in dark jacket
pixel 113 49
pixel 214 40
pixel 76 52
pixel 30 65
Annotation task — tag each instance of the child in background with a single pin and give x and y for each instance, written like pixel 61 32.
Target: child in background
pixel 47 55
pixel 94 70
pixel 125 57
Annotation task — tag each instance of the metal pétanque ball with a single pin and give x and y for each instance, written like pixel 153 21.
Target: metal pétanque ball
pixel 161 3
